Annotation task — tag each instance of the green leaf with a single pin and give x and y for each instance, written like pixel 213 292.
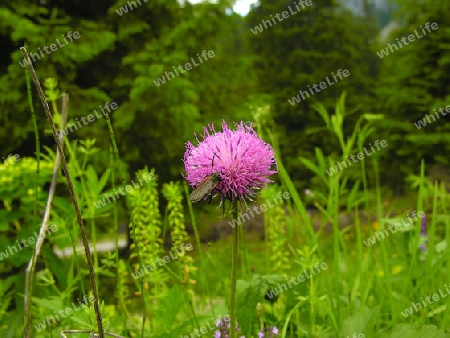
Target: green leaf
pixel 358 322
pixel 170 305
pixel 83 324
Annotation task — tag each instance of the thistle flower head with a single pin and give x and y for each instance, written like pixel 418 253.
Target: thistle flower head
pixel 240 157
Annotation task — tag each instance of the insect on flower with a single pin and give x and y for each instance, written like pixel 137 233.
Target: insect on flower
pixel 244 163
pixel 205 187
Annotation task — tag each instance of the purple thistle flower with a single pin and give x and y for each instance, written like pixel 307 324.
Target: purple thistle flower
pixel 270 332
pixel 239 156
pixel 423 233
pixel 224 329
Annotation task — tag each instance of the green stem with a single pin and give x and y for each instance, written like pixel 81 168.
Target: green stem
pixel 37 140
pixel 27 313
pixel 200 251
pixel 312 317
pixel 234 251
pixel 94 244
pixel 190 306
pixel 128 204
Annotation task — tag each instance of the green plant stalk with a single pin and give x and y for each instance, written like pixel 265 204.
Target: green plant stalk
pixel 31 267
pixel 190 306
pixel 204 277
pixel 82 169
pixel 365 287
pixel 359 251
pixel 234 261
pixel 430 235
pixel 94 243
pixel 71 190
pixel 386 254
pixel 266 239
pixel 210 254
pixel 37 140
pixel 77 262
pixel 364 177
pixel 431 231
pixel 115 216
pixel 194 224
pixel 312 314
pixel 127 200
pixel 116 235
pixel 287 183
pixel 27 310
pixel 297 317
pixel 288 319
pixel 296 198
pixel 446 314
pixel 334 194
pixel 416 232
pixel 92 222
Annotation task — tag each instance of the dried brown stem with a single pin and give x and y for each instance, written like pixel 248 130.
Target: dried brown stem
pixel 29 272
pixel 71 190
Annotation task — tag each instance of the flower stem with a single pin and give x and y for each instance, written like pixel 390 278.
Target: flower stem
pixel 234 251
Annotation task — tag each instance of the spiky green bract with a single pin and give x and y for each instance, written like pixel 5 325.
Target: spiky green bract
pixel 180 238
pixel 275 221
pixel 146 234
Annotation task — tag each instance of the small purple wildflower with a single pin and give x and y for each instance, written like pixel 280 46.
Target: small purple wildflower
pixel 241 158
pixel 270 332
pixel 224 329
pixel 423 233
